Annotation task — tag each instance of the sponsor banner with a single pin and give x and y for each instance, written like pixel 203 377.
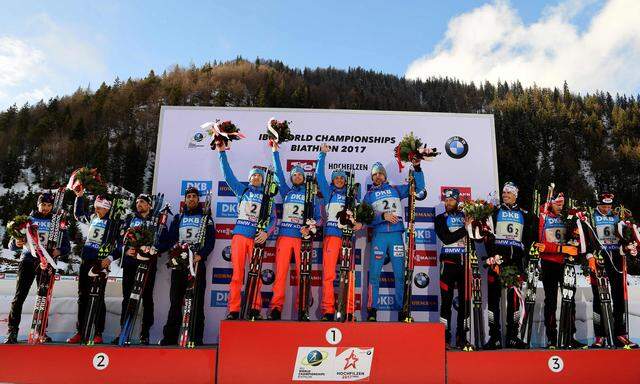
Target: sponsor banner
pixel 425 258
pixel 316 278
pixel 221 275
pixel 425 236
pixel 465 192
pixel 203 186
pixel 386 302
pixel 224 190
pixel 227 209
pixel 387 280
pixel 423 214
pixel 224 231
pixel 309 166
pixel 333 364
pixel 357 139
pixel 424 303
pixel 219 299
pixel 266 299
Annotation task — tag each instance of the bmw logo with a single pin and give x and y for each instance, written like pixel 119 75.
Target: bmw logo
pixel 267 277
pixel 456 147
pixel 198 137
pixel 421 280
pixel 226 253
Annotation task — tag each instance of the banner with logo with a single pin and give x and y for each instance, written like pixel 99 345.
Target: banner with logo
pixel 357 140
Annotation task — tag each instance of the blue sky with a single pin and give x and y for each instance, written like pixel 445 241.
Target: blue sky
pixel 54 47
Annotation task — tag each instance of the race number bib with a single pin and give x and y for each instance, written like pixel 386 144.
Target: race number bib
pixel 249 210
pixel 332 211
pixel 509 230
pixel 606 233
pixel 388 205
pixel 292 213
pixel 555 235
pixel 96 231
pixel 189 229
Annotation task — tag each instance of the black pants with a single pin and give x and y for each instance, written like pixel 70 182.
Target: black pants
pixel 128 280
pixel 176 296
pixel 84 288
pixel 28 271
pixel 552 276
pixel 617 297
pixel 494 293
pixel 452 276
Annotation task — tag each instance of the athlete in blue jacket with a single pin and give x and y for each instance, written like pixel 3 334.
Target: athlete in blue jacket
pixel 388 228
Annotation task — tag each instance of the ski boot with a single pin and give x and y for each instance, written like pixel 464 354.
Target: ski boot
pixel 12 338
pixel 305 317
pixel 327 317
pixel 575 344
pixel 516 343
pixel 233 316
pixel 404 317
pixel 254 315
pixel 115 341
pixel 144 339
pixel 372 314
pixel 624 342
pixel 598 343
pixel 47 339
pixel 274 315
pixel 493 343
pixel 75 339
pixel 167 342
pixel 97 339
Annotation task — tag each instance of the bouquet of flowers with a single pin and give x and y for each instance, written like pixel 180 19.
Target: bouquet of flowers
pixel 278 131
pixel 411 148
pixel 478 211
pixel 17 228
pixel 365 213
pixel 179 257
pixel 510 276
pixel 141 238
pixel 222 132
pixel 89 179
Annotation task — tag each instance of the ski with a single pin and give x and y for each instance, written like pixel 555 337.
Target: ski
pixel 346 252
pixel 602 284
pixel 269 191
pixel 159 218
pixel 47 273
pixel 533 272
pixel 410 250
pixel 188 323
pixel 304 280
pixel 98 275
pixel 567 291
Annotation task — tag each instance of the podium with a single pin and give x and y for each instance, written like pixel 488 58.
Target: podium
pixel 279 352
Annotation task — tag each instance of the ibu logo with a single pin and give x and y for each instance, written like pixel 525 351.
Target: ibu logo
pixel 226 209
pixel 203 186
pixel 219 299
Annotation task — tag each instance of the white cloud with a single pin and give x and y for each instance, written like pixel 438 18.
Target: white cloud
pixel 51 60
pixel 492 43
pixel 18 61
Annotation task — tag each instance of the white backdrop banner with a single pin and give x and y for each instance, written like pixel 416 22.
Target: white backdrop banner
pixel 357 139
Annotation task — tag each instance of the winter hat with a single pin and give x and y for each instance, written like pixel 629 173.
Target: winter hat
pixel 144 197
pixel 188 191
pixel 511 188
pixel 338 173
pixel 102 202
pixel 296 169
pixel 606 198
pixel 256 170
pixel 378 167
pixel 453 193
pixel 45 197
